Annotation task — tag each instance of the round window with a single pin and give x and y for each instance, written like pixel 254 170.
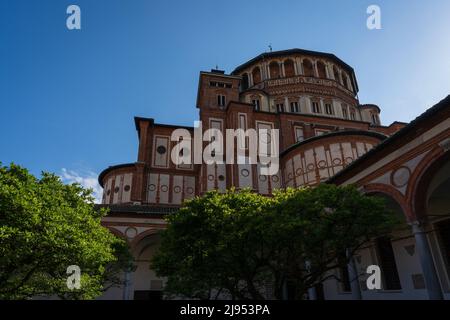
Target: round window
pixel 161 149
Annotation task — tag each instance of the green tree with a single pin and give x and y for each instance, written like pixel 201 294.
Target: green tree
pixel 316 230
pixel 212 242
pixel 46 226
pixel 238 242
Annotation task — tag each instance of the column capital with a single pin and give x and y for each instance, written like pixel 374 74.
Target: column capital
pixel 426 261
pixel 417 226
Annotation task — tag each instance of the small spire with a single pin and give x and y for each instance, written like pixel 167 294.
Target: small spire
pixel 270 47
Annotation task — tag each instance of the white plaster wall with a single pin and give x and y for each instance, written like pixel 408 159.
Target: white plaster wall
pixel 189 187
pixel 152 186
pixel 177 189
pixel 127 181
pixel 263 184
pixel 245 181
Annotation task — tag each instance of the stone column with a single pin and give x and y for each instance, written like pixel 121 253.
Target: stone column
pixel 300 66
pixel 284 291
pixel 354 278
pixel 126 287
pixel 329 71
pixel 296 67
pixel 316 72
pixel 426 261
pixel 312 293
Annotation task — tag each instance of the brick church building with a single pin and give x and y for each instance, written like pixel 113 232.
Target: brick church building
pixel 325 135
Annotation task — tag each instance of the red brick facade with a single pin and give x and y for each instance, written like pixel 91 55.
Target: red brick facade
pixel 304 94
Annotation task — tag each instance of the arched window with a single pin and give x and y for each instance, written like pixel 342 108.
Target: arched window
pixel 308 69
pixel 344 80
pixel 280 107
pixel 221 100
pixel 321 69
pixel 344 110
pixel 256 102
pixel 329 108
pixel 352 114
pixel 347 84
pixel 274 68
pixel 256 74
pixel 294 106
pixel 315 104
pixel 244 83
pixel 289 70
pixel 336 74
pixel 374 118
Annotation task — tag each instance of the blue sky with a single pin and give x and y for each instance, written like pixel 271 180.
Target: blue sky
pixel 68 98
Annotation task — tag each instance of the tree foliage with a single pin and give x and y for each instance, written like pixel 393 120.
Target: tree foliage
pixel 237 243
pixel 46 226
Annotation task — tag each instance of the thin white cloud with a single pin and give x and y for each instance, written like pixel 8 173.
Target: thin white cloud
pixel 86 178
